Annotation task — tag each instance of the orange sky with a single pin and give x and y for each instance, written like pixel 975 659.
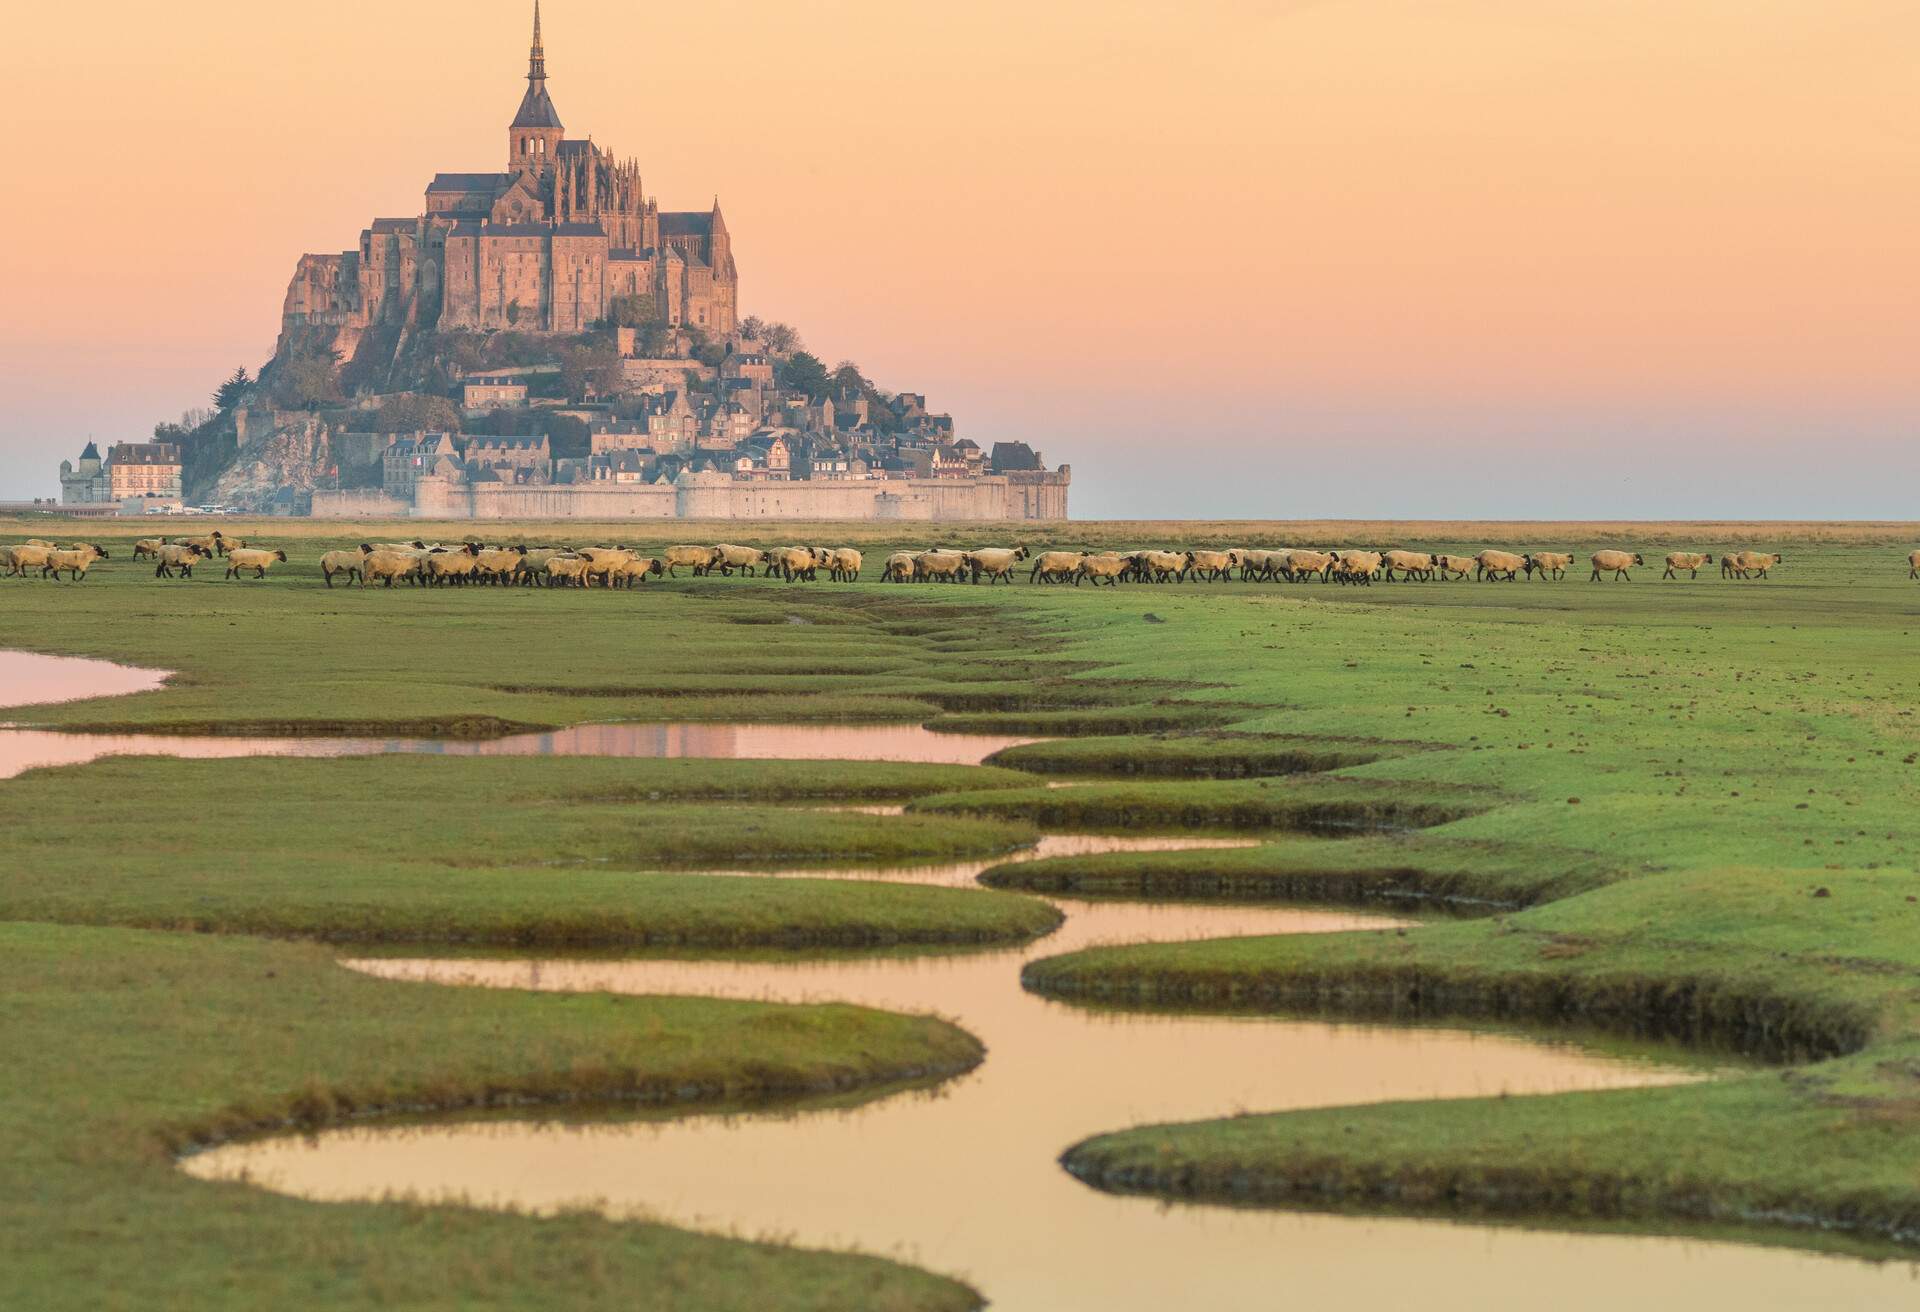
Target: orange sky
pixel 1251 236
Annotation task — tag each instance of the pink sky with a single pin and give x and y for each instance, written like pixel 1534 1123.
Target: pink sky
pixel 1228 257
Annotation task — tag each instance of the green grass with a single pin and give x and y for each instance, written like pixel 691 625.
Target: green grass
pixel 495 850
pixel 123 1047
pixel 1657 779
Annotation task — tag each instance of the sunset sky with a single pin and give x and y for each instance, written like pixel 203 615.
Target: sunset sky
pixel 1443 258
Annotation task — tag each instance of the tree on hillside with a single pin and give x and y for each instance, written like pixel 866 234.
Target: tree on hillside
pixel 849 381
pixel 416 414
pixel 589 370
pixel 634 311
pixel 307 378
pixel 780 338
pixel 753 327
pixel 228 394
pixel 804 373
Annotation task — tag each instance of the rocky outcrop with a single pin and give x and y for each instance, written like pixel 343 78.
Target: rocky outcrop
pixel 292 454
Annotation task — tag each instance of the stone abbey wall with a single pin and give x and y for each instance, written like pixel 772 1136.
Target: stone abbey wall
pixel 923 500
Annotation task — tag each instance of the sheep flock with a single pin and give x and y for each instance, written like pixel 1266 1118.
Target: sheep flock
pixel 474 563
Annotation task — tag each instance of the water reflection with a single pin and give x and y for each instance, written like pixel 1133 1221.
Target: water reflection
pixel 26 749
pixel 30 679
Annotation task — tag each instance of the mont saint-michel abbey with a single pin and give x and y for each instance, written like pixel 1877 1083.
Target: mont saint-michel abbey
pixel 544 245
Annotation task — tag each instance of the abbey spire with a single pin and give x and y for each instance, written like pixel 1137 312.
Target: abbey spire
pixel 536 130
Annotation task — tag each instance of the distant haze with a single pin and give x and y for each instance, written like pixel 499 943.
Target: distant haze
pixel 1459 258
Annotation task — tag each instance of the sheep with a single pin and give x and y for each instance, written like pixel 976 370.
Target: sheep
pixel 1357 567
pixel 843 565
pixel 499 564
pixel 942 566
pixel 1618 562
pixel 26 556
pixel 1301 564
pixel 901 568
pixel 1211 566
pixel 729 558
pixel 226 545
pixel 1262 564
pixel 567 571
pixel 698 559
pixel 1555 563
pixel 1690 561
pixel 1107 567
pixel 210 544
pixel 792 563
pixel 1056 566
pixel 387 565
pixel 42 543
pixel 1913 564
pixel 182 556
pixel 634 571
pixel 997 563
pixel 1411 563
pixel 344 562
pixel 1749 563
pixel 242 558
pixel 75 560
pixel 1160 566
pixel 1453 567
pixel 1491 565
pixel 454 567
pixel 148 548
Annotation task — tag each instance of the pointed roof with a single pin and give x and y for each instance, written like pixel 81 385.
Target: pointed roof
pixel 92 452
pixel 536 107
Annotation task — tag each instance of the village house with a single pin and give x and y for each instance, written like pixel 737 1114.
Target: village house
pixel 489 394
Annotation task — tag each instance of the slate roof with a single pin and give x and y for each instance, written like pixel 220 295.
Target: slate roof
pixel 469 181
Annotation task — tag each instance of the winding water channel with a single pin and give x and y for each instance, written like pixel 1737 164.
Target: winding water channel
pixel 963 1178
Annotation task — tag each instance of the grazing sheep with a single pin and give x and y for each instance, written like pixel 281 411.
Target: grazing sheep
pixel 1357 567
pixel 1161 566
pixel 1106 567
pixel 698 559
pixel 1412 564
pixel 1302 564
pixel 499 564
pixel 940 566
pixel 997 563
pixel 1058 566
pixel 1748 564
pixel 209 544
pixel 745 559
pixel 26 556
pixel 1263 564
pixel 900 568
pixel 181 556
pixel 148 548
pixel 1690 561
pixel 1489 565
pixel 75 560
pixel 386 566
pixel 243 558
pixel 1616 562
pixel 1554 563
pixel 1913 564
pixel 567 571
pixel 791 563
pixel 344 562
pixel 843 565
pixel 226 545
pixel 455 568
pixel 1453 567
pixel 1211 566
pixel 636 571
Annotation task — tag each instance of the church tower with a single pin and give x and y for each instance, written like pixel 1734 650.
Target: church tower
pixel 534 137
